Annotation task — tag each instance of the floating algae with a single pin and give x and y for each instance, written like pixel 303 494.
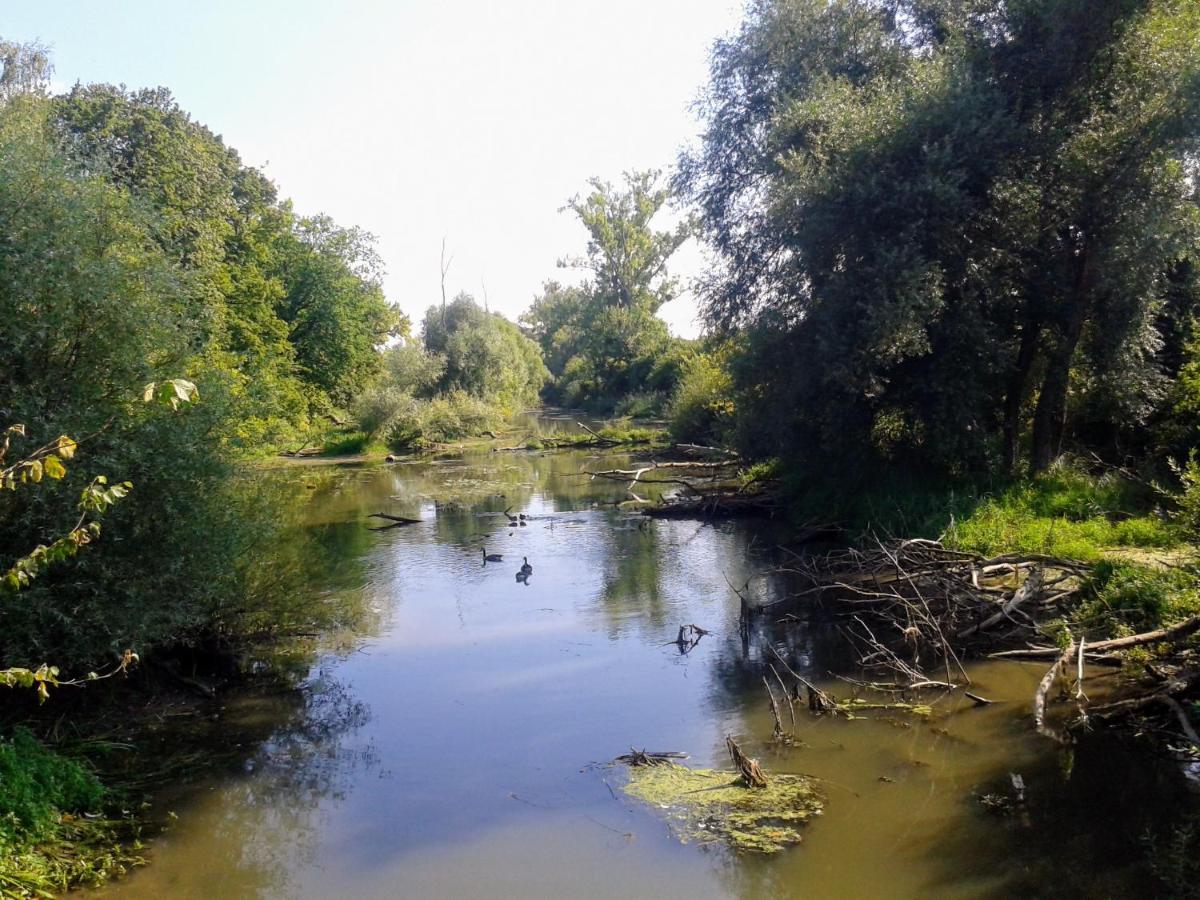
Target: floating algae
pixel 711 806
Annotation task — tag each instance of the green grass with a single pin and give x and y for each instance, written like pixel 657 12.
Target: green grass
pixel 1127 597
pixel 346 444
pixel 1065 513
pixel 52 833
pixel 618 434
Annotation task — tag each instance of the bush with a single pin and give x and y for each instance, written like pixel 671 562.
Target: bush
pixel 346 444
pixel 377 408
pixel 449 417
pixel 702 409
pixel 37 786
pixel 1138 596
pixel 644 405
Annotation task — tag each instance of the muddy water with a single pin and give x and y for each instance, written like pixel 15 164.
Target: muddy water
pixel 442 749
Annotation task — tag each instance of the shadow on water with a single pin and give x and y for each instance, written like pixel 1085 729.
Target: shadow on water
pixel 441 744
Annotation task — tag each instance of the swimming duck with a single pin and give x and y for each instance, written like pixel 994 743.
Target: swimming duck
pixel 526 569
pixel 491 557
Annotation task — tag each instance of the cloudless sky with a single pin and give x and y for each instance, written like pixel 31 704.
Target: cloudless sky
pixel 419 119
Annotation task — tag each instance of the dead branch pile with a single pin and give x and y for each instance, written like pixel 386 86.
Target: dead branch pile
pixel 916 606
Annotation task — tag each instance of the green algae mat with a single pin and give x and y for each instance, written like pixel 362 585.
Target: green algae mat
pixel 708 806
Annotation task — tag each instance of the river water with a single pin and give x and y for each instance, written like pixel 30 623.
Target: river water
pixel 443 746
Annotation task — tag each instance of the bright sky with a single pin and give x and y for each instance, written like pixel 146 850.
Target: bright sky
pixel 419 119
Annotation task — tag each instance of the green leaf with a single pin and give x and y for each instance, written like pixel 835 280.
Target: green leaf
pixel 53 467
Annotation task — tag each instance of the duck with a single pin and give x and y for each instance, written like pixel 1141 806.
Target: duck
pixel 491 557
pixel 526 569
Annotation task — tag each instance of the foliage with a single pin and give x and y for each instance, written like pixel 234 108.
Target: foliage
pixel 37 786
pixel 702 408
pixel 945 229
pixel 1066 513
pixel 486 356
pixel 50 836
pixel 334 307
pixel 1138 597
pixel 410 368
pixel 447 417
pixel 287 311
pixel 1187 501
pixel 627 259
pixel 602 340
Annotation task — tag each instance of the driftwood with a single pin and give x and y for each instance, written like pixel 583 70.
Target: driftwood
pixel 1043 688
pixel 649 758
pixel 1160 635
pixel 750 769
pixel 396 521
pixel 1030 589
pixel 303 451
pixel 932 604
pixel 717 504
pixel 700 449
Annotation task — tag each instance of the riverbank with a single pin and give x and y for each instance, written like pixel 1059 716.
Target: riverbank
pixel 1072 566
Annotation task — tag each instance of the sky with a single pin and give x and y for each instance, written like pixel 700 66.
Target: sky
pixel 420 120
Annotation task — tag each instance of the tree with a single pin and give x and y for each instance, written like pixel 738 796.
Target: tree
pixel 627 258
pixel 24 69
pixel 485 355
pixel 602 340
pixel 334 306
pixel 291 309
pixel 943 224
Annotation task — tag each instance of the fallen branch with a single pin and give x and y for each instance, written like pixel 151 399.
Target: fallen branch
pixel 1161 635
pixel 1043 688
pixel 1030 588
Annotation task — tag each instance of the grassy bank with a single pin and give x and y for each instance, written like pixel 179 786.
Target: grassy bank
pixel 59 826
pixel 1144 571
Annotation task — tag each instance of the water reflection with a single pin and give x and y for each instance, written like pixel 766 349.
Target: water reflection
pixel 442 750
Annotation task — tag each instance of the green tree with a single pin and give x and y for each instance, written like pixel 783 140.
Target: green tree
pixel 485 355
pixel 943 225
pixel 334 306
pixel 626 257
pixel 290 310
pixel 602 340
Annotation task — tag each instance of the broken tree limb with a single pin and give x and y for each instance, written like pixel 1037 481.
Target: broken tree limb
pixel 750 769
pixel 1043 688
pixel 598 437
pixel 1160 635
pixel 778 731
pixel 396 521
pixel 1184 722
pixel 700 448
pixel 1030 589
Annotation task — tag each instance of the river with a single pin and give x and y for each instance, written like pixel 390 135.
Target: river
pixel 445 745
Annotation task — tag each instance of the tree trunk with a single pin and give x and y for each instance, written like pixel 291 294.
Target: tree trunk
pixel 1015 395
pixel 1049 419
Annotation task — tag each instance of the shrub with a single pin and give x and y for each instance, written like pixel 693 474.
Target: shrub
pixel 37 785
pixel 702 408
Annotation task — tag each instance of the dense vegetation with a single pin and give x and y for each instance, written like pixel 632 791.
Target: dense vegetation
pixel 955 236
pixel 602 340
pixel 955 240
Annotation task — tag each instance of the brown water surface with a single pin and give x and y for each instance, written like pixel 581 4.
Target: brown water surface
pixel 442 749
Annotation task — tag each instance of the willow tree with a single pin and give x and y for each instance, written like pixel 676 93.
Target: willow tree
pixel 943 225
pixel 602 339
